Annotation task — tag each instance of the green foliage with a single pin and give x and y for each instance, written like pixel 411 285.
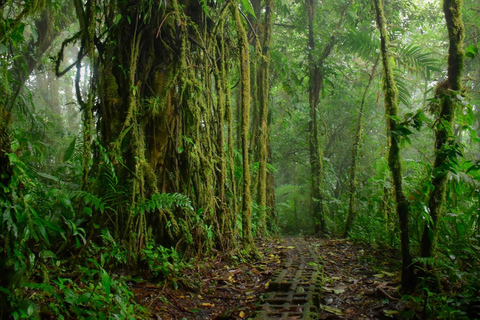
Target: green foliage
pixel 41 222
pixel 472 51
pixel 163 263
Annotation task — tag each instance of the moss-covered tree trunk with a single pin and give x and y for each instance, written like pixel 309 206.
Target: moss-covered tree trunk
pixel 315 85
pixel 245 107
pixel 394 161
pixel 352 210
pixel 444 140
pixel 160 82
pixel 264 89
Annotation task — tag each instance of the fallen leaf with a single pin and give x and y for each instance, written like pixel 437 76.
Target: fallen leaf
pixel 208 305
pixel 390 312
pixel 241 314
pixel 333 310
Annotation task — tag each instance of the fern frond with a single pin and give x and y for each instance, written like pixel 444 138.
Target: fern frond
pixel 414 59
pixel 364 44
pixel 402 86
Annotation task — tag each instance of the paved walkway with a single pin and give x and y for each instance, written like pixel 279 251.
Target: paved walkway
pixel 294 290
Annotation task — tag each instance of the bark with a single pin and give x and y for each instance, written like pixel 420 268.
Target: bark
pixel 245 107
pixel 264 89
pixel 254 33
pixel 352 210
pixel 221 168
pixel 447 93
pixel 394 162
pixel 315 85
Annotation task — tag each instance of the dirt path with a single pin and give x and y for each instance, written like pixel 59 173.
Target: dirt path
pixel 299 278
pixel 359 282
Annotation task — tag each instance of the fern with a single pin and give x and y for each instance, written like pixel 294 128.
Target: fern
pixel 364 44
pixel 413 59
pixel 403 92
pixel 162 201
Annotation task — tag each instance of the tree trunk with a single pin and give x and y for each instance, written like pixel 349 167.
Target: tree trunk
pixel 394 163
pixel 315 85
pixel 264 89
pixel 245 107
pixel 315 66
pixel 444 141
pixel 356 146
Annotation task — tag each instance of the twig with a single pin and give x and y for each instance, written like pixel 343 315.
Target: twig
pixel 387 295
pixel 249 23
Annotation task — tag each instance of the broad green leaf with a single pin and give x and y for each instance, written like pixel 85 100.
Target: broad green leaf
pixel 48 176
pixel 68 153
pixel 247 5
pixel 45 254
pixel 106 281
pixel 3 48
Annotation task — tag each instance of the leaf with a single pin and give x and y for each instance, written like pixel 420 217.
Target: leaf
pixel 333 310
pixel 106 281
pixel 248 7
pixel 3 48
pixel 68 153
pixel 471 51
pixel 208 305
pixel 48 176
pixel 390 312
pixel 30 309
pixel 45 254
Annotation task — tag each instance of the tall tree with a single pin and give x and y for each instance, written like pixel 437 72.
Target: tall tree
pixel 152 137
pixel 315 85
pixel 356 146
pixel 245 121
pixel 264 89
pixel 445 145
pixel 316 78
pixel 394 162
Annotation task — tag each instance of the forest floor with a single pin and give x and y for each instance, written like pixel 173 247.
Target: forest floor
pixel 358 282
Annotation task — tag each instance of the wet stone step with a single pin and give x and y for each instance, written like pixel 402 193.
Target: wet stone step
pixel 294 291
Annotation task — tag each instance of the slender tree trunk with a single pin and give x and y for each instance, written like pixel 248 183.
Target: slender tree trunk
pixel 394 163
pixel 245 107
pixel 222 91
pixel 444 142
pixel 315 85
pixel 231 159
pixel 315 66
pixel 356 145
pixel 253 35
pixel 264 89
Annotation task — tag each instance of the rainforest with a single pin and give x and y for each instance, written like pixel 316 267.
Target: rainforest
pixel 239 159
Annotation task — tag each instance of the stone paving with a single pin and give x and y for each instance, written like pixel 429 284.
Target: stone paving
pixel 294 291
